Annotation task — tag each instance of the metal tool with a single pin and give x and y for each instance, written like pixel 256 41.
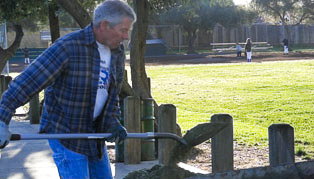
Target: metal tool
pixel 147 135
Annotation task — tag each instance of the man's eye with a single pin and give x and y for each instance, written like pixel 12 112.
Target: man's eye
pixel 124 31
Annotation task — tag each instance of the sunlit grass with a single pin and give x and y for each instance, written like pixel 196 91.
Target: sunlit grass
pixel 255 94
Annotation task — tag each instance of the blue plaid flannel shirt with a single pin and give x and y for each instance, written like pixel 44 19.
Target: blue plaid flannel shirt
pixel 69 73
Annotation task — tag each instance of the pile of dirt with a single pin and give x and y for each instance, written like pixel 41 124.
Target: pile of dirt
pixel 195 136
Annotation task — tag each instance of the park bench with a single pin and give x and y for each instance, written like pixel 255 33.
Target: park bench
pixel 231 47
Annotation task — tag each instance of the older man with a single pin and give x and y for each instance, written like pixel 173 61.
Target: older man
pixel 82 73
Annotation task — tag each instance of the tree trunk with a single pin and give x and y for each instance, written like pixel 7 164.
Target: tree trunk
pixel 6 54
pixel 138 42
pixel 74 8
pixel 191 40
pixel 53 21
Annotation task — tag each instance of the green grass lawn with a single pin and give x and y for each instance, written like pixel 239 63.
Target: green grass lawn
pixel 255 94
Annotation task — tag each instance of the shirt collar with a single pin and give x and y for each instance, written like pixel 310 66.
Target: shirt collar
pixel 89 34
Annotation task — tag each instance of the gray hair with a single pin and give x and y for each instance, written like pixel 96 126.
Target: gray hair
pixel 113 11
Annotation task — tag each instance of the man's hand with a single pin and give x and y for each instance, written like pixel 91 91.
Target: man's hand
pixel 119 134
pixel 4 135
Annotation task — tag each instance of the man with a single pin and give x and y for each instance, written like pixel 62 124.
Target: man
pixel 82 73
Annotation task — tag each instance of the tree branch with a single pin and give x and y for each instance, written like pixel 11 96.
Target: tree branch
pixel 80 15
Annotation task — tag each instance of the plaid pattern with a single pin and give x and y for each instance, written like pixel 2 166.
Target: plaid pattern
pixel 69 70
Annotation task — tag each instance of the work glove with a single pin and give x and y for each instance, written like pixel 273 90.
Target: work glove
pixel 119 134
pixel 4 135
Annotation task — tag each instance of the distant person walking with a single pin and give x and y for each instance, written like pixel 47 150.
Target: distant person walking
pixel 285 46
pixel 248 49
pixel 26 55
pixel 239 50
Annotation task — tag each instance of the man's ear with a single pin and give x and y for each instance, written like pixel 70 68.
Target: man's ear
pixel 104 25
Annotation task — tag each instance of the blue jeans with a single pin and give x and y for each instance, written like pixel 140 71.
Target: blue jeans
pixel 72 165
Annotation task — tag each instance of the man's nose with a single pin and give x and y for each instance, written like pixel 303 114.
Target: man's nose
pixel 125 36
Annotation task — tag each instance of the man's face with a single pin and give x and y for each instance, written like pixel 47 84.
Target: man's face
pixel 114 36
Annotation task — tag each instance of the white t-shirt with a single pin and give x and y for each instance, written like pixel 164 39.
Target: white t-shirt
pixel 104 78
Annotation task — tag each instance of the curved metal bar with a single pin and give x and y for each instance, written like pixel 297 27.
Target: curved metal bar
pixel 148 135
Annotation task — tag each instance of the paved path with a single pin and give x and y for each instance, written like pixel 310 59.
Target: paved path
pixel 32 159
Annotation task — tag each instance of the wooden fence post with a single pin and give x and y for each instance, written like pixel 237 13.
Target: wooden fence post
pixel 167 122
pixel 222 144
pixel 149 85
pixel 34 109
pixel 7 80
pixel 4 82
pixel 281 144
pixel 1 84
pixel 132 147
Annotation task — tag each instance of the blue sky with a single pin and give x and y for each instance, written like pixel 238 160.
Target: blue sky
pixel 241 2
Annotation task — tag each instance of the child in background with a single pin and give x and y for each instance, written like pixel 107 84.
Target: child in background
pixel 239 50
pixel 248 49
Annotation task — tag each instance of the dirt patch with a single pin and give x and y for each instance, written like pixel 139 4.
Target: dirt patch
pixel 226 58
pixel 244 156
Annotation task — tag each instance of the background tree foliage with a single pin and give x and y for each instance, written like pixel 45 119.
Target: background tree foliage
pixel 204 15
pixel 19 14
pixel 286 12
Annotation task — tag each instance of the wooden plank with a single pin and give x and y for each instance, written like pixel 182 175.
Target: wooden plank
pixel 234 49
pixel 281 144
pixel 132 147
pixel 222 144
pixel 241 43
pixel 34 109
pixel 167 122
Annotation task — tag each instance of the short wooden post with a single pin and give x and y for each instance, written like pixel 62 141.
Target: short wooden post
pixel 1 84
pixel 34 109
pixel 222 145
pixel 281 144
pixel 7 80
pixel 149 85
pixel 167 120
pixel 2 89
pixel 132 147
pixel 126 75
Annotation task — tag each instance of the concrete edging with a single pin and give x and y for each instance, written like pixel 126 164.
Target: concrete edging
pixel 301 170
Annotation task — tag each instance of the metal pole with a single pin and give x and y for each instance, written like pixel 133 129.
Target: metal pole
pixel 147 135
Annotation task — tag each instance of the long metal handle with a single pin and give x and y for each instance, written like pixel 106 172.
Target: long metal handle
pixel 147 135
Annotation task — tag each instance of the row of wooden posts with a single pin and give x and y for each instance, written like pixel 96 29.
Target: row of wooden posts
pixel 280 137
